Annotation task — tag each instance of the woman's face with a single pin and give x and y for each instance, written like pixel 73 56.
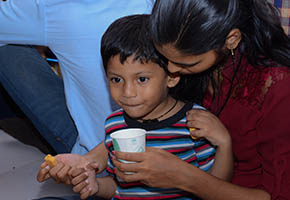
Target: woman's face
pixel 187 64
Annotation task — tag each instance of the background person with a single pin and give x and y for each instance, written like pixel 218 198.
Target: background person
pixel 72 30
pixel 39 92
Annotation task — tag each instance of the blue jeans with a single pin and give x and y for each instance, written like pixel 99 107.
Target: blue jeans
pixel 39 93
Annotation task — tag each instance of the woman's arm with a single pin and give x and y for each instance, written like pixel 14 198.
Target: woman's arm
pixel 209 187
pixel 158 168
pixel 208 126
pixel 223 163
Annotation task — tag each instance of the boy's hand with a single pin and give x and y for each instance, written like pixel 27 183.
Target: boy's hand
pixel 84 180
pixel 208 125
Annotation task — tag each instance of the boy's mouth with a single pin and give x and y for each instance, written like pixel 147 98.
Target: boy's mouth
pixel 130 105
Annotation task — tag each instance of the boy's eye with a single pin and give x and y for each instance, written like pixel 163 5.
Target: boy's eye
pixel 143 79
pixel 116 79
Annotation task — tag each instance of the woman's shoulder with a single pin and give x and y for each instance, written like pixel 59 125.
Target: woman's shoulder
pixel 272 76
pixel 277 73
pixel 256 82
pixel 274 70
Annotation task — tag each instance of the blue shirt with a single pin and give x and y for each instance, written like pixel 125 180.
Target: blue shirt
pixel 72 29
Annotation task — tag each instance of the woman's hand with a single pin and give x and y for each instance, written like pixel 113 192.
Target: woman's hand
pixel 155 167
pixel 60 173
pixel 208 125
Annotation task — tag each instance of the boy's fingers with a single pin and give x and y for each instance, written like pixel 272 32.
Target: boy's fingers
pixel 77 171
pixel 81 178
pixel 86 193
pixel 93 166
pixel 80 186
pixel 85 189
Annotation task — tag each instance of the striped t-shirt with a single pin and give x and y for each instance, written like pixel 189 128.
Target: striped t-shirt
pixel 171 135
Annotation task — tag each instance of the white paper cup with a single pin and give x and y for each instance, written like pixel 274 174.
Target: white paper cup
pixel 129 140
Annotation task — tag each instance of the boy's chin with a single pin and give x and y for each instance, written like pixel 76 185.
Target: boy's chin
pixel 135 116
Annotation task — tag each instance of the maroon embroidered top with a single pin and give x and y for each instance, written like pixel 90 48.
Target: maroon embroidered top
pixel 257 116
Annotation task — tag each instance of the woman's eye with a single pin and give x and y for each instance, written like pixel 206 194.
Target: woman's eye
pixel 115 80
pixel 143 79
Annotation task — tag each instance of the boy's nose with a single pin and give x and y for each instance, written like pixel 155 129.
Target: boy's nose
pixel 129 90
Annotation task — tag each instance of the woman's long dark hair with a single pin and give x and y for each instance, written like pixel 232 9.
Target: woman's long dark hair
pixel 196 26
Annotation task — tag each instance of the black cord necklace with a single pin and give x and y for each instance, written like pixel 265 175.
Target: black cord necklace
pixel 157 118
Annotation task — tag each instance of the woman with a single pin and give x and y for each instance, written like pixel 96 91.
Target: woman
pixel 241 58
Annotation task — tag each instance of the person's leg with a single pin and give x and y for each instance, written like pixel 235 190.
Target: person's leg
pixel 39 93
pixel 6 111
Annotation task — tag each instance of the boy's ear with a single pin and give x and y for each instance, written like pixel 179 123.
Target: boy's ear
pixel 173 80
pixel 233 39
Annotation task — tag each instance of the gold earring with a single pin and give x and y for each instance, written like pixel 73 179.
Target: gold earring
pixel 232 52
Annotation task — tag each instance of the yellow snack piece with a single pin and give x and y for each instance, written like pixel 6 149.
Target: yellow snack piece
pixel 50 160
pixel 191 130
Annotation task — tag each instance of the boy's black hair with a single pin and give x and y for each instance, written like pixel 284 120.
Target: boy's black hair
pixel 129 36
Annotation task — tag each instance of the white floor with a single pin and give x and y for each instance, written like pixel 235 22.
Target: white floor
pixel 19 164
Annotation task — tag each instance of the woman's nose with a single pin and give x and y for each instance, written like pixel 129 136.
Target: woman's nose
pixel 172 68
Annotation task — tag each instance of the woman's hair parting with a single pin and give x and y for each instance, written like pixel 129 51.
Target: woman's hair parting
pixel 129 36
pixel 197 26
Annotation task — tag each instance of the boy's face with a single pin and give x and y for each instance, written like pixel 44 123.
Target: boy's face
pixel 140 89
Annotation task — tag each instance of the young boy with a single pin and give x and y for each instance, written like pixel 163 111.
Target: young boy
pixel 149 98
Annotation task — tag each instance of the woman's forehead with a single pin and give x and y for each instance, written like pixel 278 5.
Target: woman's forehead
pixel 176 56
